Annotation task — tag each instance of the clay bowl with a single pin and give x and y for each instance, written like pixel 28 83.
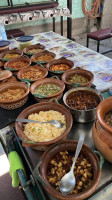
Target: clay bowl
pixel 29 69
pixel 13 104
pixel 14 51
pixel 69 145
pixel 57 62
pixel 84 73
pixel 36 108
pixel 9 64
pixel 4 74
pixel 33 58
pixel 79 115
pixel 101 132
pixel 2 64
pixel 35 46
pixel 45 81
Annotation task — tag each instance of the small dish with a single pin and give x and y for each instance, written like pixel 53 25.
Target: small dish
pixel 4 74
pixel 13 53
pixel 35 47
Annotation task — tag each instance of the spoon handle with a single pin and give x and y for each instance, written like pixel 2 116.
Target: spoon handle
pixel 27 120
pixel 79 146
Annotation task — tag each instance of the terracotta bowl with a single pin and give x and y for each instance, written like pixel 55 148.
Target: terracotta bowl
pixel 53 55
pixel 59 61
pixel 84 73
pixel 8 65
pixel 13 104
pixel 44 81
pixel 28 69
pixel 2 64
pixel 4 74
pixel 101 132
pixel 69 145
pixel 41 146
pixel 13 51
pixel 35 46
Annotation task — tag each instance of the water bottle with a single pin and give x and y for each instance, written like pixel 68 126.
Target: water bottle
pixel 3 35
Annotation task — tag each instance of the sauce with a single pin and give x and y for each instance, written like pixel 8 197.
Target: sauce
pixel 47 89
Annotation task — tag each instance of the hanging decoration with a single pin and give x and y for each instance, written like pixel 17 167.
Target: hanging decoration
pixel 91 8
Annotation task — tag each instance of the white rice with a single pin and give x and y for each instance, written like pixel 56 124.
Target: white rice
pixel 44 132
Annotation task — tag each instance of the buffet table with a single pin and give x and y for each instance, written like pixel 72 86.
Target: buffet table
pixel 86 59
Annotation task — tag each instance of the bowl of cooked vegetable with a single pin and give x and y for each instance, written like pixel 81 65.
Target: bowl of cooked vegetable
pixel 13 95
pixel 16 64
pixel 59 66
pixel 77 78
pixel 82 102
pixel 57 160
pixel 46 89
pixel 10 54
pixel 42 135
pixel 33 49
pixel 32 73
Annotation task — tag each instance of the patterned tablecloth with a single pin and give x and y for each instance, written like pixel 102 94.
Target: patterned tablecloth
pixel 83 57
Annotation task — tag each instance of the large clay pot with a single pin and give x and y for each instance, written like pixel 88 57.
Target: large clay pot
pixel 102 133
pixel 67 145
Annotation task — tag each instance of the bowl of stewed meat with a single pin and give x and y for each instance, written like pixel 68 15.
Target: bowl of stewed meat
pixel 82 102
pixel 57 161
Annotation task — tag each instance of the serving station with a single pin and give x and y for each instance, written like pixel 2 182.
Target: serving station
pixel 75 56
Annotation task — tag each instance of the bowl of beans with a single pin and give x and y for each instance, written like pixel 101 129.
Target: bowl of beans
pixel 102 128
pixel 77 78
pixel 43 57
pixel 59 66
pixel 46 89
pixel 57 161
pixel 82 102
pixel 10 54
pixel 42 135
pixel 32 74
pixel 33 49
pixel 16 64
pixel 13 95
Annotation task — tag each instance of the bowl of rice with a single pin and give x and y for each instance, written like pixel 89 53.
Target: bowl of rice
pixel 39 135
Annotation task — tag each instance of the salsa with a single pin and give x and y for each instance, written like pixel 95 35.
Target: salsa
pixel 78 79
pixel 45 58
pixel 11 55
pixel 82 100
pixel 32 74
pixel 34 51
pixel 11 94
pixel 17 64
pixel 47 89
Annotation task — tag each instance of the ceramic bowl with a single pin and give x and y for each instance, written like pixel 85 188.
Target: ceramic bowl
pixel 9 64
pixel 4 74
pixel 13 104
pixel 33 58
pixel 28 69
pixel 36 108
pixel 68 145
pixel 57 62
pixel 35 46
pixel 84 73
pixel 101 132
pixel 14 51
pixel 44 81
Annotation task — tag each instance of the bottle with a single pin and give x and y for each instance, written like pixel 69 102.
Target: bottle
pixel 3 35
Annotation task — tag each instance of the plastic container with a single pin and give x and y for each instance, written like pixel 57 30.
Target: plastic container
pixel 25 41
pixel 3 35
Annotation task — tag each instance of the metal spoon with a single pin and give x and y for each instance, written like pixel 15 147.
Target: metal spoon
pixel 68 181
pixel 53 122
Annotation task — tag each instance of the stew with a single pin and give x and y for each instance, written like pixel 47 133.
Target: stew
pixel 47 89
pixel 78 79
pixel 59 67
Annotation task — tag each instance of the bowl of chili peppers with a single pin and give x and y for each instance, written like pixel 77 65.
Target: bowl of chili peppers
pixel 82 102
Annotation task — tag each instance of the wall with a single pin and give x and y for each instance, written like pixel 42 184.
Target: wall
pixel 106 20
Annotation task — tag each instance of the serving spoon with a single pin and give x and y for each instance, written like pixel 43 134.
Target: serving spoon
pixel 68 181
pixel 53 122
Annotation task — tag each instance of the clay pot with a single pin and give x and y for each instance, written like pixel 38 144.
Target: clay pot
pixel 35 46
pixel 36 108
pixel 33 58
pixel 84 73
pixel 101 132
pixel 68 145
pixel 22 71
pixel 59 61
pixel 44 81
pixel 13 104
pixel 13 51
